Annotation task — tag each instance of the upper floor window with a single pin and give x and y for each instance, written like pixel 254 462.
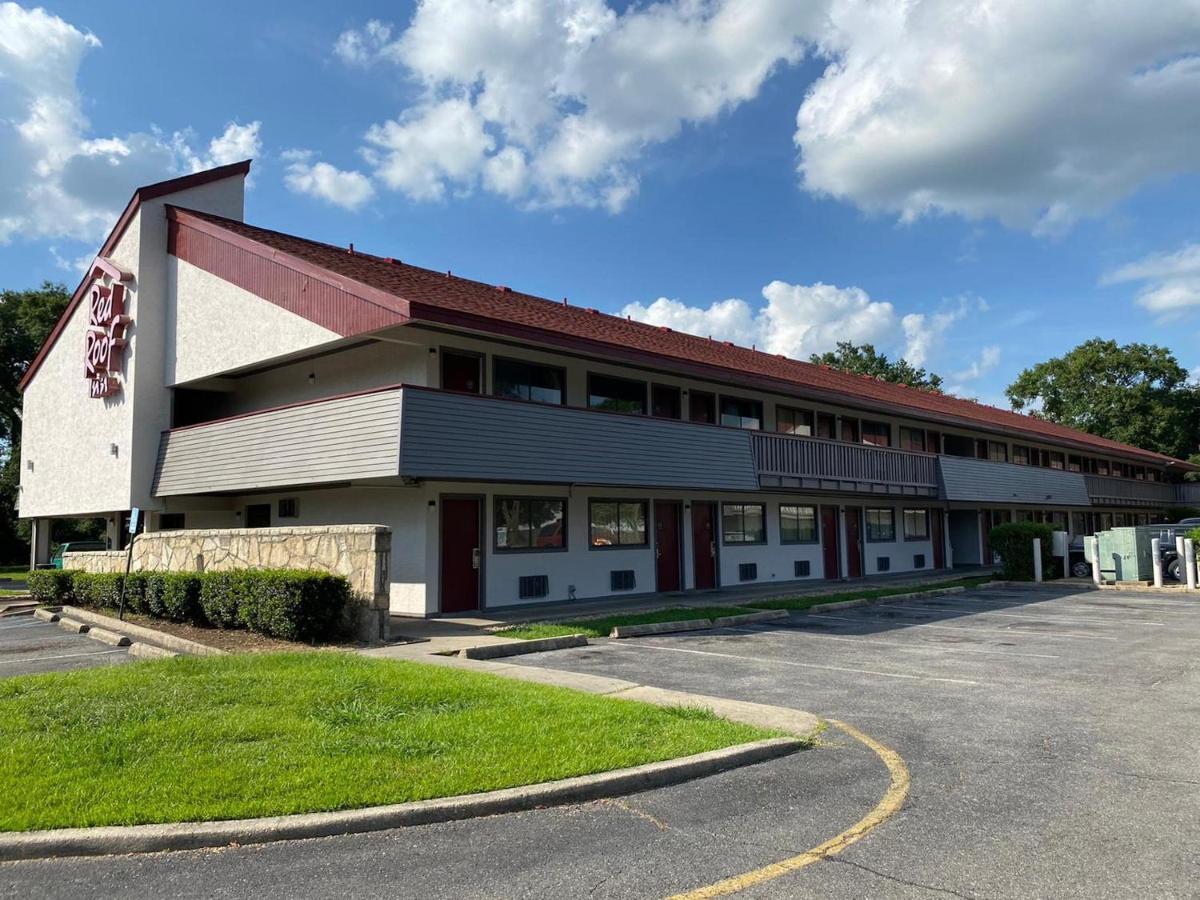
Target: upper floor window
pixel 744 523
pixel 617 523
pixel 789 420
pixel 881 525
pixel 1074 463
pixel 738 412
pixel 826 426
pixel 997 451
pixel 1057 460
pixel 665 401
pixel 614 394
pixel 1102 467
pixel 702 407
pixel 797 524
pixel 912 438
pixel 530 523
pixel 877 433
pixel 522 380
pixel 849 430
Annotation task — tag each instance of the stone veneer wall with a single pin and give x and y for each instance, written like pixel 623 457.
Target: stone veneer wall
pixel 361 553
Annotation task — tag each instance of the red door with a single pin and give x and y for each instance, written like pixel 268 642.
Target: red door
pixel 666 544
pixel 704 545
pixel 462 372
pixel 939 540
pixel 853 542
pixel 460 554
pixel 829 542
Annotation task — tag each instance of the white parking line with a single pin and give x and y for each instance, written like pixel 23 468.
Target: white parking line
pixel 1009 630
pixel 1076 602
pixel 989 612
pixel 33 659
pixel 800 665
pixel 32 624
pixel 909 647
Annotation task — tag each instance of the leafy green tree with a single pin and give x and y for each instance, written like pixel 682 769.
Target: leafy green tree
pixel 26 318
pixel 864 359
pixel 1138 394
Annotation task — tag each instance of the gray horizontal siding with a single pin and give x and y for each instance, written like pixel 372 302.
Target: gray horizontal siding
pixel 1106 491
pixel 319 443
pixel 983 481
pixel 458 437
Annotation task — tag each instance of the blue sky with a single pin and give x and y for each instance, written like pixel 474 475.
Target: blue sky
pixel 976 193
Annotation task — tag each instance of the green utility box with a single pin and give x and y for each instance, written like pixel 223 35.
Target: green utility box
pixel 1125 554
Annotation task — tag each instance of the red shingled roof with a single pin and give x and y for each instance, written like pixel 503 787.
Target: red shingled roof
pixel 442 297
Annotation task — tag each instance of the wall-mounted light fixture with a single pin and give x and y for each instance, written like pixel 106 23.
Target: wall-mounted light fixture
pixel 312 377
pixel 114 449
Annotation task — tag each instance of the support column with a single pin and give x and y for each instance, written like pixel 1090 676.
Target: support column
pixel 39 543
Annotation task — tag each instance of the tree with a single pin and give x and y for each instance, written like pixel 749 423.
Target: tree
pixel 1138 394
pixel 26 318
pixel 865 360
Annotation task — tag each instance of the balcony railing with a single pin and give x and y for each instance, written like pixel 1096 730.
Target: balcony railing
pixel 1105 491
pixel 787 461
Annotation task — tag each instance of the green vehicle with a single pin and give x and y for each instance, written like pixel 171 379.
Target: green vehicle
pixel 56 561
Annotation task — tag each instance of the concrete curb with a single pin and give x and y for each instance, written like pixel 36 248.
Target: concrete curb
pixel 517 648
pixel 109 637
pixel 195 835
pixel 73 625
pixel 628 631
pixel 143 634
pixel 767 615
pixel 876 601
pixel 46 614
pixel 149 651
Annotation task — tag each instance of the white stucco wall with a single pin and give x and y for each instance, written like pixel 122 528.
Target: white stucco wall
pixel 214 326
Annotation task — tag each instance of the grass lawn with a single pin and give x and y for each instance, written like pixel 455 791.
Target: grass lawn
pixel 266 734
pixel 865 594
pixel 602 627
pixel 14 573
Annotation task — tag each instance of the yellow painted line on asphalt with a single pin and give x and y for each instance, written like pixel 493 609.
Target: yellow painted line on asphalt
pixel 896 794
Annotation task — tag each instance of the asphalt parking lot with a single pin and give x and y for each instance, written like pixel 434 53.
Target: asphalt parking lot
pixel 29 645
pixel 1050 733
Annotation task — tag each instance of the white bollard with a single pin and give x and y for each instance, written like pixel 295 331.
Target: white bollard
pixel 1156 559
pixel 1189 549
pixel 1095 559
pixel 1037 559
pixel 1179 553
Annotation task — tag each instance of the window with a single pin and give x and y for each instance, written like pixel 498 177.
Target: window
pixel 519 380
pixel 1057 460
pixel 826 426
pixel 1139 473
pixel 530 523
pixel 665 401
pixel 1058 519
pixel 744 523
pixel 997 451
pixel 170 522
pixel 1000 517
pixel 617 523
pixel 916 524
pixel 797 524
pixel 737 412
pixel 702 407
pixel 258 515
pixel 1074 464
pixel 957 445
pixel 881 525
pixel 462 371
pixel 849 430
pixel 789 420
pixel 912 438
pixel 877 433
pixel 1079 524
pixel 289 508
pixel 616 394
pixel 1102 466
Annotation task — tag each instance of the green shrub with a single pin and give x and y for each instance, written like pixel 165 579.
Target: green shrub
pixel 97 589
pixel 293 604
pixel 221 593
pixel 1014 543
pixel 181 597
pixel 1194 534
pixel 51 586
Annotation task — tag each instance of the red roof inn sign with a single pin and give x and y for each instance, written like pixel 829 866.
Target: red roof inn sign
pixel 107 320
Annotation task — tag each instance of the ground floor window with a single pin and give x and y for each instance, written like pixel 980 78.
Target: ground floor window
pixel 881 525
pixel 617 523
pixel 530 523
pixel 916 524
pixel 744 523
pixel 797 524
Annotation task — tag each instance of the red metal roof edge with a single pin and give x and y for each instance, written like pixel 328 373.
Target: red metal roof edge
pixel 140 195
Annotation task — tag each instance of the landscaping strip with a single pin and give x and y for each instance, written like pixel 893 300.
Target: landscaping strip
pixel 195 835
pixel 142 633
pixel 602 626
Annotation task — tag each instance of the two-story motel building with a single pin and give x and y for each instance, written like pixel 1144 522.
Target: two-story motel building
pixel 221 375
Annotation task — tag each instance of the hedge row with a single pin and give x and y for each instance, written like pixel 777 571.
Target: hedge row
pixel 284 603
pixel 1014 543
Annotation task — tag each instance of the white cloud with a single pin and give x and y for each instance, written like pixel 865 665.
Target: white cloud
pixel 347 189
pixel 989 358
pixel 76 266
pixel 551 102
pixel 1034 113
pixel 1170 281
pixel 801 319
pixel 59 180
pixel 925 331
